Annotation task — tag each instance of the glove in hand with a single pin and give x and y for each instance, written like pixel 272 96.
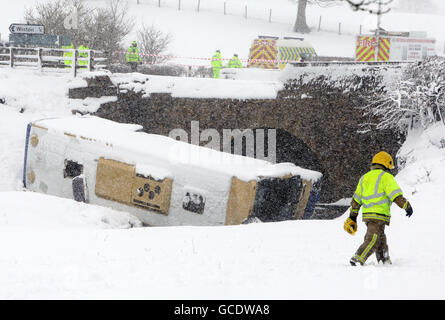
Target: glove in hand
pixel 350 226
pixel 409 211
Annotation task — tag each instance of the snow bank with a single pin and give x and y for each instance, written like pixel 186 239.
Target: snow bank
pixel 288 260
pixel 198 87
pixel 58 213
pixel 422 157
pixel 29 95
pixel 251 74
pixel 90 104
pixel 35 91
pixel 12 146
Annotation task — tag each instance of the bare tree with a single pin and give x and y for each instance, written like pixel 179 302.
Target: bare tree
pixel 53 15
pixel 103 27
pixel 107 27
pixel 153 43
pixel 300 23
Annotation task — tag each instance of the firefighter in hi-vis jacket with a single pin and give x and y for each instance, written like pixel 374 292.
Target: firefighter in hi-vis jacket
pixel 376 191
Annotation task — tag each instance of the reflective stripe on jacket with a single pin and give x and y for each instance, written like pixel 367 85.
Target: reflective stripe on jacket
pixel 375 192
pixel 83 55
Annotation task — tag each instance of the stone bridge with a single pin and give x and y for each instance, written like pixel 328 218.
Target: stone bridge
pixel 318 125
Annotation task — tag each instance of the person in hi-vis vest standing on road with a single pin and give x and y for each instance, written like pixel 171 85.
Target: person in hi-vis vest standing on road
pixel 375 192
pixel 133 56
pixel 235 62
pixel 69 55
pixel 84 54
pixel 217 64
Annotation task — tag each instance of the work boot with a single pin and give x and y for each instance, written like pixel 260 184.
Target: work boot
pixel 354 261
pixel 385 260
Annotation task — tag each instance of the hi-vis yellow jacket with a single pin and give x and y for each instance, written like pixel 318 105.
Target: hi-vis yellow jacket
pixel 68 54
pixel 376 191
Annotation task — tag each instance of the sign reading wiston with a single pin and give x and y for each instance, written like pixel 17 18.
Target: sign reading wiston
pixel 27 28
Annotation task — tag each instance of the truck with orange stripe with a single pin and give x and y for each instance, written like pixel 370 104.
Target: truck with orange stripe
pixel 395 46
pixel 270 52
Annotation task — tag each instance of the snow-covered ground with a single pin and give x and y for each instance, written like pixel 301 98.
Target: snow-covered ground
pixel 58 248
pixel 201 33
pixel 40 97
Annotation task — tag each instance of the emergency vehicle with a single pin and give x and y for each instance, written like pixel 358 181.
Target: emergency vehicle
pixel 269 52
pixel 395 46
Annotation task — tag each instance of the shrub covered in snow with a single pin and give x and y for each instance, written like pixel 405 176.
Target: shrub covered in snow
pixel 417 100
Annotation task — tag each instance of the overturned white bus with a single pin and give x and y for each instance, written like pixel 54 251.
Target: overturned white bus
pixel 162 181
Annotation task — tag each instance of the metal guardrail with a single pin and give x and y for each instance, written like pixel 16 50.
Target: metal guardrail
pixel 49 58
pixel 349 63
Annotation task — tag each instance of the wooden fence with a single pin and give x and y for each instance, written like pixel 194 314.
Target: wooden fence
pixel 49 58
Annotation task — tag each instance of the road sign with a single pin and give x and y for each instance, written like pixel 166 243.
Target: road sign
pixel 39 40
pixel 27 28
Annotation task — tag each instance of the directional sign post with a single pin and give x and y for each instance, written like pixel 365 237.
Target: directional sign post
pixel 45 40
pixel 27 28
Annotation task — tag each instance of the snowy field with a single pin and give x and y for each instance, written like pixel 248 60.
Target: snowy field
pixel 198 34
pixel 55 248
pixel 201 33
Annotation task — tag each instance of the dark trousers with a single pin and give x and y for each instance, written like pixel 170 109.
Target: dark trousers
pixel 375 241
pixel 133 66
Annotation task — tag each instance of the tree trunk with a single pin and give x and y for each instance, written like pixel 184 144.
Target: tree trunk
pixel 300 24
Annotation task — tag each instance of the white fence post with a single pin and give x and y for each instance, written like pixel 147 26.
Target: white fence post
pixel 199 3
pixel 224 8
pixel 39 58
pixel 90 61
pixel 319 23
pixel 74 62
pixel 270 15
pixel 11 58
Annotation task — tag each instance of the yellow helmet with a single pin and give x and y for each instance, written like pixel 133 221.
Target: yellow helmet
pixel 384 159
